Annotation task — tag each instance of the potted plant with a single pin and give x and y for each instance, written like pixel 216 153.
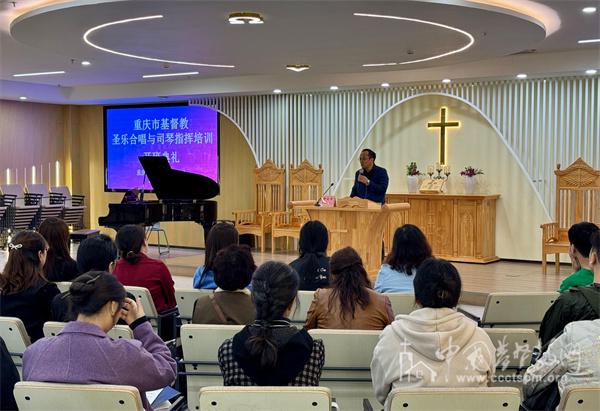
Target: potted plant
pixel 412 177
pixel 470 173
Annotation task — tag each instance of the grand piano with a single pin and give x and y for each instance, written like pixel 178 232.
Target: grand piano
pixel 181 196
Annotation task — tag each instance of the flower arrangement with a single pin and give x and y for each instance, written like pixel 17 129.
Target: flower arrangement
pixel 470 171
pixel 412 170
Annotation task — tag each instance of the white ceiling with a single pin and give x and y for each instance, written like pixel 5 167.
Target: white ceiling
pixel 47 36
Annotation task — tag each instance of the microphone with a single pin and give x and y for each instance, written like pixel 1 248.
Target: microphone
pixel 317 204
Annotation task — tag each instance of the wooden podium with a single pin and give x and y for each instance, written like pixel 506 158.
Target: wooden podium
pixel 358 224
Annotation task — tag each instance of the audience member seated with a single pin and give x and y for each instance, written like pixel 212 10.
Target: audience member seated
pixel 98 253
pixel 350 303
pixel 9 376
pixel 434 346
pixel 409 249
pixel 220 236
pixel 82 353
pixel 59 264
pixel 24 291
pixel 272 351
pixel 579 251
pixel 313 264
pixel 231 302
pixel 135 268
pixel 577 303
pixel 572 358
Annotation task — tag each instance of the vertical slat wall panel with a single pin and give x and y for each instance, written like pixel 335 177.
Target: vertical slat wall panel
pixel 544 121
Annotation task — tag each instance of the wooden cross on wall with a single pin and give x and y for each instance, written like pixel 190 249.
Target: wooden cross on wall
pixel 443 124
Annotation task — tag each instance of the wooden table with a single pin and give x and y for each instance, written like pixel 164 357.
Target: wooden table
pixel 359 228
pixel 459 227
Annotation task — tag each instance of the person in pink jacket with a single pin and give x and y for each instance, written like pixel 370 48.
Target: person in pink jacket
pixel 82 353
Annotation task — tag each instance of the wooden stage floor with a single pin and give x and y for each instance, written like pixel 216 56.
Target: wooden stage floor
pixel 478 279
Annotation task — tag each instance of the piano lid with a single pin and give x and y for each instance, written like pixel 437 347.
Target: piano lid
pixel 169 184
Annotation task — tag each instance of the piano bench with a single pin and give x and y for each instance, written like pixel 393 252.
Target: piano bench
pixel 78 236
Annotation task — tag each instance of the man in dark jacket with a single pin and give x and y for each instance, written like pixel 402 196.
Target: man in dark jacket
pixel 577 303
pixel 370 181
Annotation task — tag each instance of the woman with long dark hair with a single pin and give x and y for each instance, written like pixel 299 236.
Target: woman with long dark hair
pixel 220 236
pixel 313 264
pixel 135 268
pixel 349 303
pixel 24 291
pixel 59 264
pixel 82 353
pixel 409 249
pixel 272 351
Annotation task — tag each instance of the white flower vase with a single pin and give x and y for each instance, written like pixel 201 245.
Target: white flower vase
pixel 413 183
pixel 470 184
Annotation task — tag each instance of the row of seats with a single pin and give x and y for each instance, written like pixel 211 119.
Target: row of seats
pixel 507 309
pixel 22 209
pixel 347 361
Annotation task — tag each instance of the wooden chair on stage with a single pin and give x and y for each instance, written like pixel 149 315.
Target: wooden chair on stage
pixel 305 187
pixel 577 200
pixel 269 183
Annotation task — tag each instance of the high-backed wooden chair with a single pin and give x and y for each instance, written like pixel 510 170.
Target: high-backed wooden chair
pixel 305 187
pixel 269 181
pixel 577 200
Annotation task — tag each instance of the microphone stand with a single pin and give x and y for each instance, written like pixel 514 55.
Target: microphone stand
pixel 318 203
pixel 142 191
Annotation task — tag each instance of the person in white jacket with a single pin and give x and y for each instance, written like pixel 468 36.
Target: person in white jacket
pixel 434 346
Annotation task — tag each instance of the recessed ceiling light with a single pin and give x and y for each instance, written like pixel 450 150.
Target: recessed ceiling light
pixel 385 84
pixel 42 73
pixel 297 67
pixel 86 63
pixel 446 81
pixel 521 75
pixel 333 88
pixel 277 91
pixel 245 17
pixel 589 41
pixel 88 33
pixel 589 10
pixel 470 42
pixel 22 98
pixel 591 72
pixel 187 73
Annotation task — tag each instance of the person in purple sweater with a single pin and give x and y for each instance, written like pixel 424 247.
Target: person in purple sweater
pixel 82 353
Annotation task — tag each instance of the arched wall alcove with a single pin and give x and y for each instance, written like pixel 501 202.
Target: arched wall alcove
pixel 401 135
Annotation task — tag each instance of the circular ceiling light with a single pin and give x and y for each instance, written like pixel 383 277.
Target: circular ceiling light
pixel 245 17
pixel 86 38
pixel 470 42
pixel 277 91
pixel 297 67
pixel 333 88
pixel 446 81
pixel 385 84
pixel 589 10
pixel 521 75
pixel 85 63
pixel 22 98
pixel 591 72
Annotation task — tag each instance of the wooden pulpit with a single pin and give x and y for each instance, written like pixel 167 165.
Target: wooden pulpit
pixel 359 224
